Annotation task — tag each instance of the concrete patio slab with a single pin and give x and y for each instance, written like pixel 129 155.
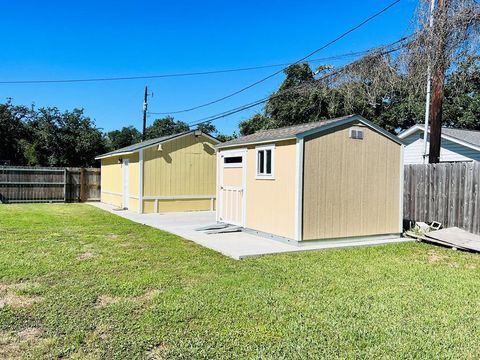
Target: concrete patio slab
pixel 238 245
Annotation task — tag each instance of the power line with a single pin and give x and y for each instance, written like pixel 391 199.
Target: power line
pixel 363 52
pixel 282 93
pixel 331 42
pixel 174 75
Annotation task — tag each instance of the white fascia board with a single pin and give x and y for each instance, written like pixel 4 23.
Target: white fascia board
pixel 409 131
pixel 272 141
pixel 118 154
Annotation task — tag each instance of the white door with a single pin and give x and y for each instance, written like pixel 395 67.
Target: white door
pixel 126 193
pixel 232 191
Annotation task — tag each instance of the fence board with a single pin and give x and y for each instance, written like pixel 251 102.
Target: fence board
pixel 34 184
pixel 445 192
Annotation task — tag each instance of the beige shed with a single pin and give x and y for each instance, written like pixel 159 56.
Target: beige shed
pixel 166 174
pixel 329 180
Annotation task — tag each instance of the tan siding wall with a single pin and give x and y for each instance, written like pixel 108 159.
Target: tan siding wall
pixel 112 181
pixel 233 177
pixel 351 187
pixel 111 173
pixel 185 166
pixel 271 203
pixel 115 200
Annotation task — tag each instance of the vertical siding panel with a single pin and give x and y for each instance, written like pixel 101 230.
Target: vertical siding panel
pixel 182 168
pixel 355 192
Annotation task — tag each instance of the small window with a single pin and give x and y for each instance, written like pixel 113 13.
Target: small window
pixel 233 160
pixel 356 134
pixel 265 162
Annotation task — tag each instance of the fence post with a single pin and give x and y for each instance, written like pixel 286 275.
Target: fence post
pixel 65 185
pixel 82 184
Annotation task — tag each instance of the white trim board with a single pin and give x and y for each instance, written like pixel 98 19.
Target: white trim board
pixel 402 181
pixel 119 154
pixel 140 181
pixel 265 176
pixel 180 197
pixel 111 193
pixel 299 189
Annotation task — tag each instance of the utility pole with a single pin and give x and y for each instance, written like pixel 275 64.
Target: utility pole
pixel 145 107
pixel 438 79
pixel 429 81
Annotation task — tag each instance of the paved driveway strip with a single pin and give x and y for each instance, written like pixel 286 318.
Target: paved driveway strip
pixel 238 245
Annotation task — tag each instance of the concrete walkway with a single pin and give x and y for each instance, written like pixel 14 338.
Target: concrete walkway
pixel 237 245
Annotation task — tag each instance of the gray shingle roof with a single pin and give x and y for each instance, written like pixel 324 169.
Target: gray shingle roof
pixel 469 136
pixel 143 144
pixel 281 133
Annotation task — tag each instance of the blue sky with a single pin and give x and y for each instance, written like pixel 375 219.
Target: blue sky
pixel 81 39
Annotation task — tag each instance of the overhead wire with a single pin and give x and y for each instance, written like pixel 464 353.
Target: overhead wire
pixel 174 75
pixel 247 106
pixel 329 43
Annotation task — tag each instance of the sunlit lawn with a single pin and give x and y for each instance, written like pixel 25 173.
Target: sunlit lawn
pixel 77 282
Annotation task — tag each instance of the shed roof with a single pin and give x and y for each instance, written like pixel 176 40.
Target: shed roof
pixel 147 143
pixel 302 130
pixel 471 137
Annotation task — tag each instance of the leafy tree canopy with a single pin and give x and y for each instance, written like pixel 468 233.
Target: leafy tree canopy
pixel 124 137
pixel 164 127
pixel 377 89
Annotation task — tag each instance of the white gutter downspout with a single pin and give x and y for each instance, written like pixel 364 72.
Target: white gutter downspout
pixel 299 190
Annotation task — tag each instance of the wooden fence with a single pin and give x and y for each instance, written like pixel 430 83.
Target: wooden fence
pixel 33 184
pixel 445 192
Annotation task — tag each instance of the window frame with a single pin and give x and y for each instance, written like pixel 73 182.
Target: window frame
pixel 265 176
pixel 232 164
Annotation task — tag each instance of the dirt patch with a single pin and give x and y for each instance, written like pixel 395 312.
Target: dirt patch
pixel 148 296
pixel 85 256
pixel 13 345
pixel 102 332
pixel 9 295
pixel 157 352
pixel 434 257
pixel 29 334
pixel 112 236
pixel 105 300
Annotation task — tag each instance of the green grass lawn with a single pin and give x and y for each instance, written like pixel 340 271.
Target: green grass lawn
pixel 77 282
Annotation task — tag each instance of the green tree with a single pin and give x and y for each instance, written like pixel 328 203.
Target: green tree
pixel 207 128
pixel 124 137
pixel 462 94
pixel 224 138
pixel 12 131
pixel 376 87
pixel 164 127
pixel 255 123
pixel 297 99
pixel 63 139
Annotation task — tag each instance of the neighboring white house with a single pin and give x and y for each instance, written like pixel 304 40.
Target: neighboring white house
pixel 457 145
